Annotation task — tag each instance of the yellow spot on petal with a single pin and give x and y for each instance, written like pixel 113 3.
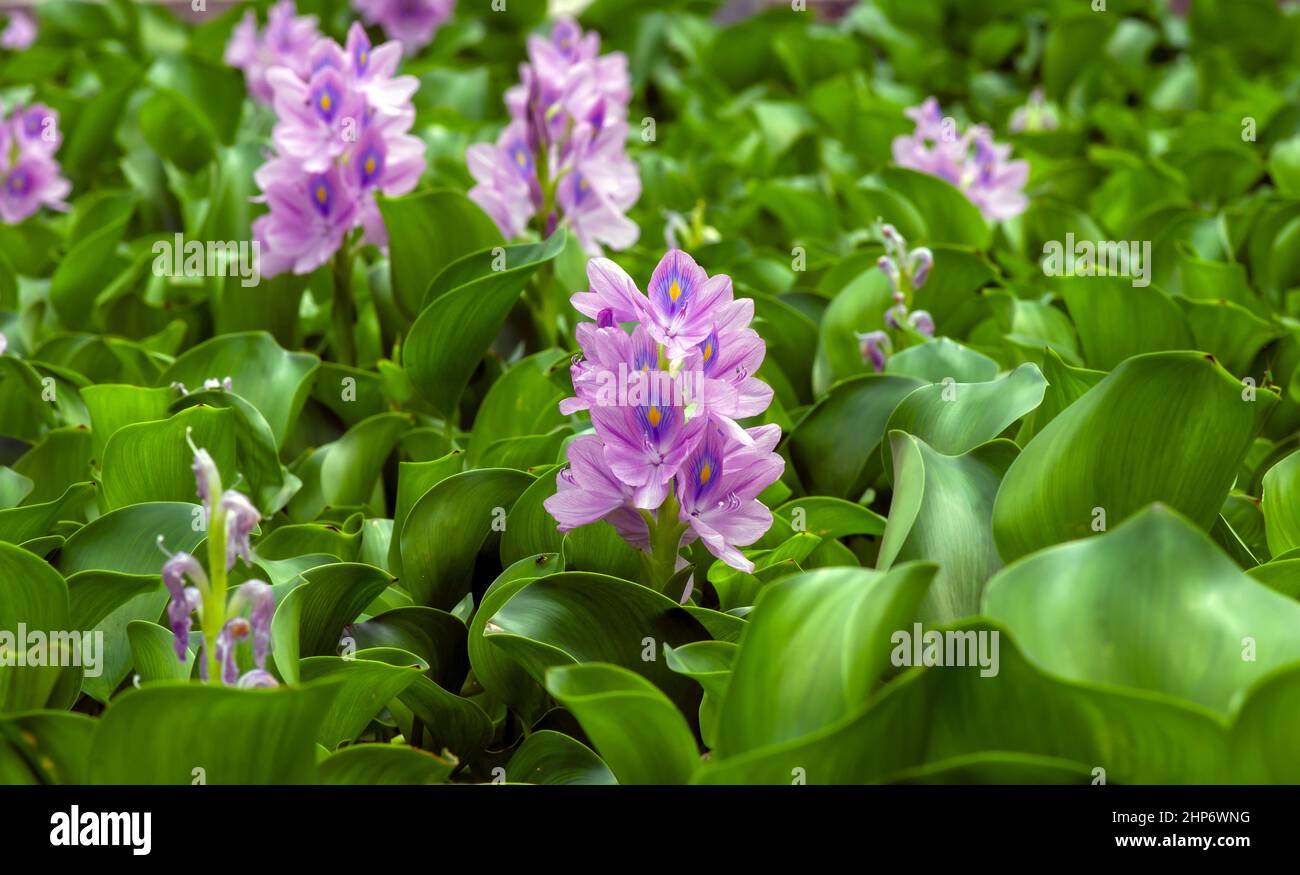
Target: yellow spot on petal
pixel 706 471
pixel 321 194
pixel 675 290
pixel 325 102
pixel 708 351
pixel 370 165
pixel 654 417
pixel 365 56
pixel 521 159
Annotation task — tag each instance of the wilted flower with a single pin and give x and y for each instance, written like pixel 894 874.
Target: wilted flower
pixel 980 168
pixel 1036 115
pixel 342 135
pixel 562 158
pixel 231 520
pixel 411 22
pixel 907 271
pixel 285 42
pixel 875 347
pixel 30 175
pixel 668 462
pixel 20 33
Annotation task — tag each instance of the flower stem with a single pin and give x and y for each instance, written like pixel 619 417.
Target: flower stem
pixel 344 309
pixel 214 604
pixel 665 543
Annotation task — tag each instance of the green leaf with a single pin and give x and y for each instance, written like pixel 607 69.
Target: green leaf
pixel 941 511
pixel 458 324
pixel 833 448
pixel 1075 611
pixel 154 654
pixel 1184 427
pixel 384 765
pixel 34 599
pixel 549 757
pixel 428 231
pixel 1278 501
pixel 579 617
pixel 954 418
pixel 270 378
pixel 177 733
pixel 447 528
pixel 640 735
pixel 152 461
pixel 815 647
pixel 370 679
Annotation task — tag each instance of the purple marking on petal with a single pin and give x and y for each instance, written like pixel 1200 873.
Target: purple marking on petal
pixel 605 318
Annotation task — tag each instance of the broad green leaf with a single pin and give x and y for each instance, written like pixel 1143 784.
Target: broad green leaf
pixel 176 733
pixel 456 328
pixel 549 757
pixel 384 764
pixel 1075 610
pixel 447 528
pixel 640 734
pixel 1183 425
pixel 816 645
pixel 272 379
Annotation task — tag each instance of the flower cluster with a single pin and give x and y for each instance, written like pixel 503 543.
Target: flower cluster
pixel 231 519
pixel 1036 115
pixel 411 22
pixel 286 42
pixel 30 175
pixel 342 134
pixel 562 159
pixel 907 271
pixel 980 168
pixel 668 462
pixel 20 32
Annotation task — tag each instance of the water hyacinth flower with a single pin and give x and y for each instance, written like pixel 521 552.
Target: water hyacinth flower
pixel 668 464
pixel 412 23
pixel 342 135
pixel 980 168
pixel 562 160
pixel 1036 115
pixel 907 271
pixel 30 175
pixel 20 32
pixel 285 42
pixel 195 591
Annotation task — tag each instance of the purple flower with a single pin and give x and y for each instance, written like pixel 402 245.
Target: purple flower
pixel 310 215
pixel 262 598
pixel 921 321
pixel 184 600
pixel 718 490
pixel 562 158
pixel 29 183
pixel 918 266
pixel 20 33
pixel 412 22
pixel 668 461
pixel 980 168
pixel 875 347
pixel 241 518
pixel 587 491
pixel 235 630
pixel 257 679
pixel 286 42
pixel 343 134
